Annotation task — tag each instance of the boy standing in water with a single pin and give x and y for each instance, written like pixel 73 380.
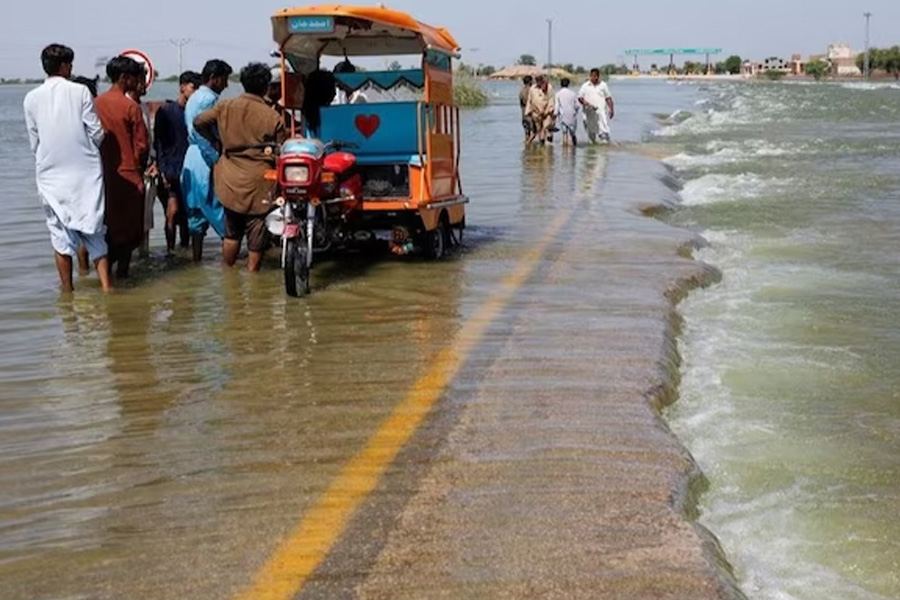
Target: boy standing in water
pixel 171 142
pixel 567 112
pixel 65 136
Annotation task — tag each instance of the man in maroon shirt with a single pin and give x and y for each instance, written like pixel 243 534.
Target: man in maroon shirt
pixel 124 152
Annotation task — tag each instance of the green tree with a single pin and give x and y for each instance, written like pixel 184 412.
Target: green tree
pixel 890 61
pixel 579 70
pixel 609 69
pixel 486 70
pixel 527 60
pixel 396 66
pixel 774 74
pixel 720 68
pixel 733 64
pixel 817 68
pixel 464 69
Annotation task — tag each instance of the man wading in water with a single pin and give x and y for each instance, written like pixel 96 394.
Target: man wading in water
pixel 599 108
pixel 246 125
pixel 65 136
pixel 125 151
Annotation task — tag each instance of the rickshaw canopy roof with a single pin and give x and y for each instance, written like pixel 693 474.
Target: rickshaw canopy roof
pixel 340 29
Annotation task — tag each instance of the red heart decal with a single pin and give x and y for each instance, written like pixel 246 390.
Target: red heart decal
pixel 367 124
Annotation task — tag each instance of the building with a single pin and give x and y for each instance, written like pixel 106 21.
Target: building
pixel 774 63
pixel 843 60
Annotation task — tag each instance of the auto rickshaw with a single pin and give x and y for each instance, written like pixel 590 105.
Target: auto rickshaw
pixel 396 130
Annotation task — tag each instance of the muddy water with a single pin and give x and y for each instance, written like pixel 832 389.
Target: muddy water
pixel 159 442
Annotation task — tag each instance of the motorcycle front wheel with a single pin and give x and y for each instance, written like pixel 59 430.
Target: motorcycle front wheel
pixel 296 271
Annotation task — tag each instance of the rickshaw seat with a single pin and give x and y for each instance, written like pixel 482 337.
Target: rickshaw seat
pixel 385 132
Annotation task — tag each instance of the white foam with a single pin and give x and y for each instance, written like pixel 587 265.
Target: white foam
pixel 715 188
pixel 869 86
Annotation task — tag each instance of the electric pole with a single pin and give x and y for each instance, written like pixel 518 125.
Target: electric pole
pixel 180 44
pixel 866 63
pixel 549 43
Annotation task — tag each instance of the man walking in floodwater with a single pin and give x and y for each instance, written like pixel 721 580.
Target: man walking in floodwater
pixel 524 93
pixel 171 142
pixel 599 108
pixel 248 128
pixel 567 107
pixel 540 108
pixel 203 208
pixel 124 151
pixel 65 136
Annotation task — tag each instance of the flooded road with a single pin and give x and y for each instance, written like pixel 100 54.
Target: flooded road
pixel 482 427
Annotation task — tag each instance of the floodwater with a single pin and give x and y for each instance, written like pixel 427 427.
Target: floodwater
pixel 162 441
pixel 790 397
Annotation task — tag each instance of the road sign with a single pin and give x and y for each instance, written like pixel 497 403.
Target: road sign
pixel 144 60
pixel 669 51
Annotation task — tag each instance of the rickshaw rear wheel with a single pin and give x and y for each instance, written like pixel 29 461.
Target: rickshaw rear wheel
pixel 435 241
pixel 296 271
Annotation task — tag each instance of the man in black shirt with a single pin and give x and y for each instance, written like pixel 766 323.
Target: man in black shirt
pixel 171 143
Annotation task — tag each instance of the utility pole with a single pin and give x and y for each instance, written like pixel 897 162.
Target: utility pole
pixel 866 64
pixel 549 42
pixel 180 44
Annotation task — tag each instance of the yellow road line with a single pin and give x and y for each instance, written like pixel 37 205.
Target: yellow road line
pixel 298 556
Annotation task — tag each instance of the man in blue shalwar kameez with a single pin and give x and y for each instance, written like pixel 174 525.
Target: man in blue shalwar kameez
pixel 203 208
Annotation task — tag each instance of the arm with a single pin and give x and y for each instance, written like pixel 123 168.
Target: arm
pixel 610 105
pixel 90 119
pixel 160 130
pixel 281 131
pixel 139 136
pixel 31 125
pixel 205 123
pixel 207 141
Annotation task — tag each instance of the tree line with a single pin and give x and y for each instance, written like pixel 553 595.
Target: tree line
pixel 882 59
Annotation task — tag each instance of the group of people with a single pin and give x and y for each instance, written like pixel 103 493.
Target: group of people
pixel 96 154
pixel 544 112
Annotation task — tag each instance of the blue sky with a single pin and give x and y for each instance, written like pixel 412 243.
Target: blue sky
pixel 494 32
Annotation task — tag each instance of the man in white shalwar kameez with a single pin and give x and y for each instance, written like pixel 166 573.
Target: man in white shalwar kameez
pixel 65 134
pixel 599 108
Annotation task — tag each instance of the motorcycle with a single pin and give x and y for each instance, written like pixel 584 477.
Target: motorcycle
pixel 317 191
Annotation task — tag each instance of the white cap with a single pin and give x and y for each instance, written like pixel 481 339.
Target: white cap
pixel 276 75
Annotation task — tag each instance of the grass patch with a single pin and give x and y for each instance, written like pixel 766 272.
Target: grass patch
pixel 467 92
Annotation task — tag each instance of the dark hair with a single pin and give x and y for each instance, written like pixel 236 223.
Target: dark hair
pixel 216 68
pixel 564 82
pixel 595 71
pixel 54 56
pixel 255 78
pixel 528 80
pixel 345 66
pixel 122 66
pixel 191 77
pixel 90 84
pixel 320 91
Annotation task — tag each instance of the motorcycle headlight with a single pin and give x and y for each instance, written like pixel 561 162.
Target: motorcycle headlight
pixel 296 173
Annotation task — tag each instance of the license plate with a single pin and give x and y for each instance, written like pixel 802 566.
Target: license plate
pixel 291 230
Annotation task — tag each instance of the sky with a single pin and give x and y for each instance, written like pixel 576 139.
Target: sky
pixel 494 32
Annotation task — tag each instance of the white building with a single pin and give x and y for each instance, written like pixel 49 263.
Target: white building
pixel 843 60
